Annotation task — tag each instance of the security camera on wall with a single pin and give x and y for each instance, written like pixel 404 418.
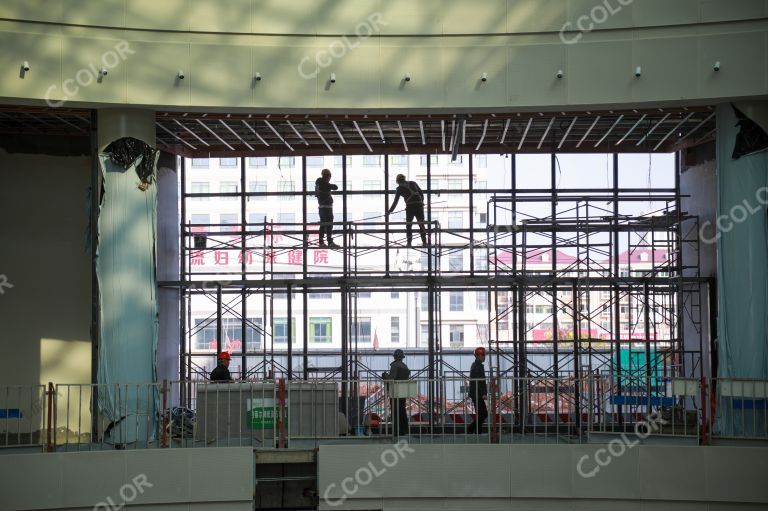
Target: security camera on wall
pixel 180 75
pixel 25 66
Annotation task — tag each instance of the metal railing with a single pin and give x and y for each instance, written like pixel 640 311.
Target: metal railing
pixel 300 413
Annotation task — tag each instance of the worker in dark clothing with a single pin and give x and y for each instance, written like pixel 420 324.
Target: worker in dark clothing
pixel 221 372
pixel 323 189
pixel 414 206
pixel 398 371
pixel 478 391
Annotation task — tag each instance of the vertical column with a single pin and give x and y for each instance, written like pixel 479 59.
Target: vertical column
pixel 168 266
pixel 127 277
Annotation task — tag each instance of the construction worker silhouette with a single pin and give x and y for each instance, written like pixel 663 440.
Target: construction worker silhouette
pixel 323 189
pixel 414 206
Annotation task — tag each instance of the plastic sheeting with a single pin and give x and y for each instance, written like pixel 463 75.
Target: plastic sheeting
pixel 742 267
pixel 128 291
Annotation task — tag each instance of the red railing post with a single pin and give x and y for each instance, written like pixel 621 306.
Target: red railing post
pixel 494 411
pixel 164 433
pixel 703 440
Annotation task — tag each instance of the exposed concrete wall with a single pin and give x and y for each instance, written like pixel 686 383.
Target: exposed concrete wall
pixel 219 479
pixel 544 477
pixel 446 45
pixel 45 317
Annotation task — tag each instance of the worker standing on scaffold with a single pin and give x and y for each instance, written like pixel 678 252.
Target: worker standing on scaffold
pixel 323 189
pixel 478 391
pixel 414 206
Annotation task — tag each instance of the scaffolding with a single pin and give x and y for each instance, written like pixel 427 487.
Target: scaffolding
pixel 594 250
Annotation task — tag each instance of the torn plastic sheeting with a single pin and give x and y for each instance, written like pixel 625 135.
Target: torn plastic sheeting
pixel 751 138
pixel 125 268
pixel 129 151
pixel 742 271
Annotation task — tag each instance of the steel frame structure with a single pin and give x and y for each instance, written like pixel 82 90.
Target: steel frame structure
pixel 666 292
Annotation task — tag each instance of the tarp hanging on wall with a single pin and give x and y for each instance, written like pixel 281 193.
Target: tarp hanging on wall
pixel 125 269
pixel 742 267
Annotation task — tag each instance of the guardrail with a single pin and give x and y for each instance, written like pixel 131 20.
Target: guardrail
pixel 301 413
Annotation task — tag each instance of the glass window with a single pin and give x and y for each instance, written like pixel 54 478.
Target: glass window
pixel 320 296
pixel 456 301
pixel 423 159
pixel 313 218
pixel 482 333
pixel 423 299
pixel 200 218
pixel 230 219
pixel 394 295
pixel 371 184
pixel 482 300
pixel 285 185
pixel 455 219
pixel 371 215
pixel 258 187
pixel 227 162
pixel 481 259
pixel 457 336
pixel 363 328
pixel 481 160
pixel 363 294
pixel 315 161
pixel 457 161
pixel 481 219
pixel 456 261
pixel 394 329
pixel 257 162
pixel 454 184
pixel 200 163
pixel 286 218
pixel 280 332
pixel 372 160
pixel 257 218
pixel 204 334
pixel 337 161
pixel 286 161
pixel 424 334
pixel 228 187
pixel 200 187
pixel 253 331
pixel 320 330
pixel 399 159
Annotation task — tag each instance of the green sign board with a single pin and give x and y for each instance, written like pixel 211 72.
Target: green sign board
pixel 263 413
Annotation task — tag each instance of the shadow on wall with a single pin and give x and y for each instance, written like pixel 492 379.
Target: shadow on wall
pixel 44 212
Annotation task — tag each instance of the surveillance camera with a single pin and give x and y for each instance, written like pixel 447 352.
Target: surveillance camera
pixel 484 77
pixel 333 78
pixel 716 67
pixel 25 66
pixel 407 77
pixel 560 73
pixel 257 77
pixel 638 72
pixel 180 75
pixel 103 72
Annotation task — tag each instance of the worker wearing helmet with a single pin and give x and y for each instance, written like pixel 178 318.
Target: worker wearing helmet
pixel 221 372
pixel 398 371
pixel 478 391
pixel 323 189
pixel 414 206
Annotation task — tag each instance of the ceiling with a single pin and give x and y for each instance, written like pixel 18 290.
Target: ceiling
pixel 220 135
